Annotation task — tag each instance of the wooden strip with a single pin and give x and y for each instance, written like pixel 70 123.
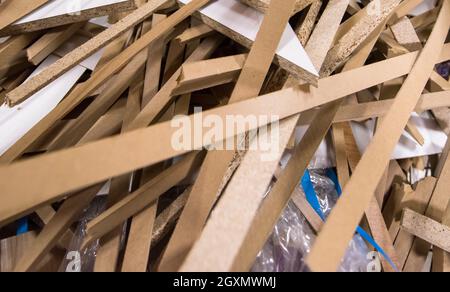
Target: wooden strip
pixel 349 210
pixel 406 35
pixel 343 49
pixel 101 104
pixel 70 102
pixel 244 250
pixel 305 208
pixel 436 210
pixel 263 5
pixel 90 47
pixel 369 110
pixel 21 27
pixel 43 47
pixel 96 157
pixel 151 111
pixel 167 219
pixel 305 29
pixel 13 10
pixel 153 66
pixel 143 197
pixel 441 259
pixel 423 227
pixel 58 225
pixel 108 253
pixel 249 84
pixel 194 33
pixel 296 68
pixel 11 50
pixel 209 73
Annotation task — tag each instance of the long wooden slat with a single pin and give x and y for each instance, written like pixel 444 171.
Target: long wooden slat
pixel 89 48
pixel 207 185
pixel 349 210
pixel 95 161
pixel 99 77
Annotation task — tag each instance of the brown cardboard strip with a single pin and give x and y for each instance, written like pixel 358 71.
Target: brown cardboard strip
pixel 91 163
pixel 337 232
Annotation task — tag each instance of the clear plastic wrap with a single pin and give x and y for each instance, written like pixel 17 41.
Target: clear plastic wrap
pixel 292 237
pixel 78 259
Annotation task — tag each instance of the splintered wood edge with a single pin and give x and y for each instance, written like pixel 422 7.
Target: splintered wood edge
pixel 263 5
pixel 67 18
pixel 296 71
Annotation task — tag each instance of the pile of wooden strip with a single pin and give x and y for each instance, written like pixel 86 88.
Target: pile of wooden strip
pixel 162 135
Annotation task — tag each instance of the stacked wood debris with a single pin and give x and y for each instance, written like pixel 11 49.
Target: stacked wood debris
pixel 97 172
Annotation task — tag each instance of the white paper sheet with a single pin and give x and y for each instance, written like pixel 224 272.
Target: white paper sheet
pixel 62 7
pixel 246 21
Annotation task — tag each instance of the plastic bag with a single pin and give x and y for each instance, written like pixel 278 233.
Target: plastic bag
pixel 78 259
pixel 293 238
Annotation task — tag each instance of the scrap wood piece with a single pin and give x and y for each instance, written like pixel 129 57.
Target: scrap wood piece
pixel 90 47
pixel 71 209
pixel 108 253
pixel 263 5
pixel 97 156
pixel 168 218
pixel 81 92
pixel 305 208
pixel 406 35
pixel 440 200
pixel 19 120
pixel 43 47
pixel 405 8
pixel 209 73
pixel 194 33
pixel 243 253
pixel 435 211
pixel 57 12
pixel 320 39
pixel 241 23
pixel 432 231
pixel 418 201
pixel 346 215
pixel 306 28
pixel 441 259
pixel 272 206
pixel 154 108
pixel 356 36
pixel 13 10
pixel 364 111
pixel 211 174
pixel 218 246
pixel 101 104
pixel 154 63
pixel 12 248
pixel 11 49
pixel 143 197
